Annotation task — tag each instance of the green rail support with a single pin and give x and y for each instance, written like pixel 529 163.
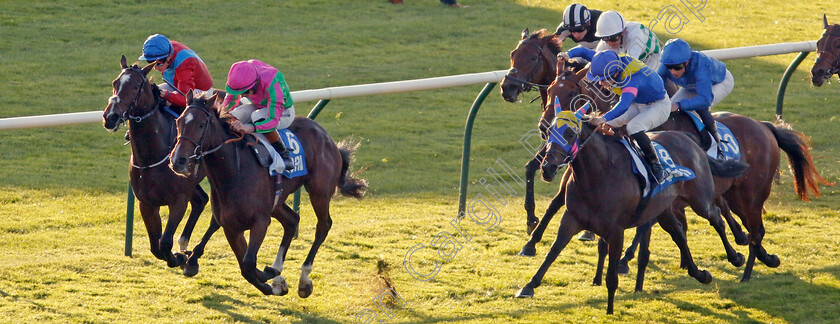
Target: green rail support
pixel 780 95
pixel 465 158
pixel 312 114
pixel 129 221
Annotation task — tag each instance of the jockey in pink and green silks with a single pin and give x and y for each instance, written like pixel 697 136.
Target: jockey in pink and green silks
pixel 267 89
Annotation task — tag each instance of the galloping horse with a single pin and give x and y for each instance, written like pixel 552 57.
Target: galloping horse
pixel 243 192
pixel 534 64
pixel 137 101
pixel 828 54
pixel 601 167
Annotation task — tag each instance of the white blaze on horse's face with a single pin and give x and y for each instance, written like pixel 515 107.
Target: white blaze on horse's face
pixel 113 100
pixel 188 118
pixel 123 80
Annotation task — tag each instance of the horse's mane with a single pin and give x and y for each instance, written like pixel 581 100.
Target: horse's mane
pixel 553 43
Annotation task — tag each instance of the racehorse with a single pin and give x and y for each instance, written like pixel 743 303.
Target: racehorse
pixel 745 196
pixel 137 101
pixel 601 168
pixel 243 191
pixel 828 54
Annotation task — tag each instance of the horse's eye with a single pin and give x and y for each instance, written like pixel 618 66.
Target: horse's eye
pixel 137 86
pixel 534 59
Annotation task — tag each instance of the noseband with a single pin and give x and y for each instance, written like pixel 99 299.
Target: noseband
pixel 827 55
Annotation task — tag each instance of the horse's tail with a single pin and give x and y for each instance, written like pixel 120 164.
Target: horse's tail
pixel 727 168
pixel 347 185
pixel 796 145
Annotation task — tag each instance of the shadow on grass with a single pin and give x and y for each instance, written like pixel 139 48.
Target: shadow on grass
pixel 236 310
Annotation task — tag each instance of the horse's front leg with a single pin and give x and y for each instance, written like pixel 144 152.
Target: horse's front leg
pixel 530 173
pixel 568 228
pixel 289 219
pixel 151 219
pixel 191 266
pixel 198 201
pixel 321 205
pixel 530 248
pixel 176 214
pixel 246 253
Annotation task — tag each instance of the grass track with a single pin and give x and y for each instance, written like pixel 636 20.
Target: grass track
pixel 62 190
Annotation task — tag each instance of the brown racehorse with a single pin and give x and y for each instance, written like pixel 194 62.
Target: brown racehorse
pixel 137 101
pixel 533 64
pixel 828 54
pixel 601 168
pixel 243 192
pixel 760 144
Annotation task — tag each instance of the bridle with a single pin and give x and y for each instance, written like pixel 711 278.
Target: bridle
pixel 198 154
pixel 827 55
pixel 525 84
pixel 133 105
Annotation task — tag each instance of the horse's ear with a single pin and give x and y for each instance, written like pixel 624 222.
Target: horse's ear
pixel 123 63
pixel 561 65
pixel 582 73
pixel 148 68
pixel 525 33
pixel 825 22
pixel 190 97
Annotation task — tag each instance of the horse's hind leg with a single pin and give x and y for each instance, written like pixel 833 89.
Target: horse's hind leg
pixel 641 232
pixel 711 212
pixel 644 255
pixel 749 210
pixel 602 255
pixel 530 248
pixel 568 228
pixel 320 200
pixel 198 200
pixel 246 255
pixel 191 266
pixel 615 242
pixel 670 224
pixel 741 238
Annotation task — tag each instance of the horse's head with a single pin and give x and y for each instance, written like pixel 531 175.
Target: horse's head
pixel 531 62
pixel 563 141
pixel 200 115
pixel 828 51
pixel 134 97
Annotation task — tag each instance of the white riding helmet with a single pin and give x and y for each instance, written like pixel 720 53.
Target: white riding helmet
pixel 610 23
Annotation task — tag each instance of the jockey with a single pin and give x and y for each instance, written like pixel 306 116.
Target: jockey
pixel 181 68
pixel 628 37
pixel 269 105
pixel 579 22
pixel 642 105
pixel 705 82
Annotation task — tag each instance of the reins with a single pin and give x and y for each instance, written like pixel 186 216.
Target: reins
pixel 528 85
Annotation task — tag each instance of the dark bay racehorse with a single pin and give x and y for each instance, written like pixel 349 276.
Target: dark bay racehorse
pixel 828 54
pixel 243 192
pixel 602 196
pixel 137 101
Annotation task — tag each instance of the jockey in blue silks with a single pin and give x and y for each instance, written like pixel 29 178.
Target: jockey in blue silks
pixel 705 82
pixel 643 103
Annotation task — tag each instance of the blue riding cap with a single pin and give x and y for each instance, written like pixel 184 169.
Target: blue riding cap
pixel 156 47
pixel 604 64
pixel 676 51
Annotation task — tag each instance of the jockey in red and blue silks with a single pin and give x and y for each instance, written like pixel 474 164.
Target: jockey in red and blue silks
pixel 180 66
pixel 705 82
pixel 643 103
pixel 269 106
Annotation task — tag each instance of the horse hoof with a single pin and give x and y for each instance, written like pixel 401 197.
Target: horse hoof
pixel 178 260
pixel 279 286
pixel 739 260
pixel 525 292
pixel 596 282
pixel 305 289
pixel 623 268
pixel 528 250
pixel 742 239
pixel 772 261
pixel 705 277
pixel 190 268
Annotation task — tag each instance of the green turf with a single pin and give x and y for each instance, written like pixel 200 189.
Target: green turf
pixel 62 189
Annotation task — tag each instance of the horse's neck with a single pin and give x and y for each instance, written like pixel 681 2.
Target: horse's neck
pixel 151 138
pixel 224 166
pixel 679 121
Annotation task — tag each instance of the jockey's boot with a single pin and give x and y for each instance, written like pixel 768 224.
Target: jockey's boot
pixel 274 139
pixel 647 148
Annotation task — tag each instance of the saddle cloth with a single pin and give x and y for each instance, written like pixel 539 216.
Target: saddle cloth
pixel 674 173
pixel 728 144
pixel 295 152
